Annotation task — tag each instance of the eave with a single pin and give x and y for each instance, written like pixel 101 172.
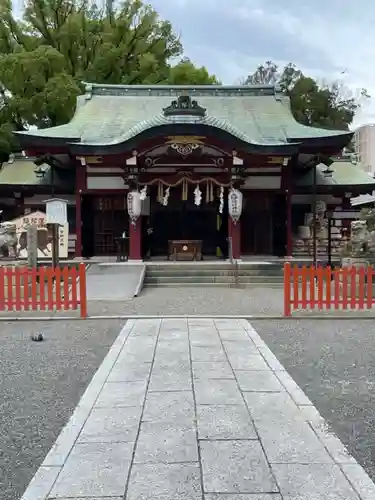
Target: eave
pixel 135 142
pixel 334 142
pixel 33 141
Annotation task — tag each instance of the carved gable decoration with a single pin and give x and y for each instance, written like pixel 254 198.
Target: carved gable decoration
pixel 185 145
pixel 184 105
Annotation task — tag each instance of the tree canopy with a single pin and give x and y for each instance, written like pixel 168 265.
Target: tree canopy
pixel 58 44
pixel 320 105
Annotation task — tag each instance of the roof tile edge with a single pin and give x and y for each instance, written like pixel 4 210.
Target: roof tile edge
pixel 199 90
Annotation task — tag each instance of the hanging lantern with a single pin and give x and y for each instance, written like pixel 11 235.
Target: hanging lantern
pixel 134 206
pixel 235 198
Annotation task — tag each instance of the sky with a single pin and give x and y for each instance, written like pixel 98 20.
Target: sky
pixel 331 40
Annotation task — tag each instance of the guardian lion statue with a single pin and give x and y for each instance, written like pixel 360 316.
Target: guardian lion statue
pixel 360 237
pixel 8 239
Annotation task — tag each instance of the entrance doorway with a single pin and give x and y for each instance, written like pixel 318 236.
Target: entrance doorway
pixel 87 216
pixel 256 226
pixel 279 226
pixel 183 220
pixel 104 218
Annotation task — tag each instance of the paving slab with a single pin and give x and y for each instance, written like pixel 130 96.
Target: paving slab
pixel 220 420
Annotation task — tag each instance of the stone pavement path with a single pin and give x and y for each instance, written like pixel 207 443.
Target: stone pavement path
pixel 196 409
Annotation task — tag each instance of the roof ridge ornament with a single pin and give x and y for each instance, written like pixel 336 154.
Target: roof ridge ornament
pixel 184 105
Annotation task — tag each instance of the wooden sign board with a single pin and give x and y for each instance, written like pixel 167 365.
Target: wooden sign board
pixel 44 238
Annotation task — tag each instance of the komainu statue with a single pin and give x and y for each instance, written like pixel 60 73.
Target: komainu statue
pixel 359 237
pixel 8 239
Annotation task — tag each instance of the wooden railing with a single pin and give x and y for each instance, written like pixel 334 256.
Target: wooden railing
pixel 43 289
pixel 324 288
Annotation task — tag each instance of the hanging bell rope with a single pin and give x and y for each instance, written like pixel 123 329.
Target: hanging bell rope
pixel 160 192
pixel 184 190
pixel 221 198
pixel 212 197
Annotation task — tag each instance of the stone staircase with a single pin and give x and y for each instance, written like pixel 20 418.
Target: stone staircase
pixel 225 274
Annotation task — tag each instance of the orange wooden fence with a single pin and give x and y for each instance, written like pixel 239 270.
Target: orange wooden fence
pixel 43 289
pixel 325 288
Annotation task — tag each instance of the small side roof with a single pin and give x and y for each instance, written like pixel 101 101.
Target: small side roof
pixel 345 173
pixel 362 199
pixel 21 172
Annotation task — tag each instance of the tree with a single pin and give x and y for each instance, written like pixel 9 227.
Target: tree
pixel 45 57
pixel 42 91
pixel 320 105
pixel 186 73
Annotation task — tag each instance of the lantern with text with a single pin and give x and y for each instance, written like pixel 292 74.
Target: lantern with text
pixel 235 204
pixel 134 206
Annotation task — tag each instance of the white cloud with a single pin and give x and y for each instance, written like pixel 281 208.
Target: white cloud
pixel 323 38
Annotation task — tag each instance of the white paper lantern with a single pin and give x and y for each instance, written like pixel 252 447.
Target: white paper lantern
pixel 134 205
pixel 235 199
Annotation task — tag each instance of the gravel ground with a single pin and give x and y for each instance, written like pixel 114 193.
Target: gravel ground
pixel 194 301
pixel 334 363
pixel 41 383
pixel 204 300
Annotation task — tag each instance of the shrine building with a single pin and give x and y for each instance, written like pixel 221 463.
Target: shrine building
pixel 201 164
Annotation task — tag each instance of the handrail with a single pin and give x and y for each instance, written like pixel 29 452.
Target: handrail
pixel 230 249
pixel 233 261
pixel 236 273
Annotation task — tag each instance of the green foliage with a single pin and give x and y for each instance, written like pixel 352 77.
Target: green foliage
pixel 186 73
pixel 59 43
pixel 320 105
pixel 43 93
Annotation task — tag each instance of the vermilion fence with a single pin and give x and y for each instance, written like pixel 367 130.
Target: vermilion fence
pixel 325 288
pixel 43 289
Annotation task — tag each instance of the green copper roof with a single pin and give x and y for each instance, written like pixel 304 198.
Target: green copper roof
pixel 22 173
pixel 345 173
pixel 112 114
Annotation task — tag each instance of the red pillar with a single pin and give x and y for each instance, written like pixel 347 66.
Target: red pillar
pixel 289 236
pixel 78 225
pixel 80 187
pixel 234 232
pixel 287 185
pixel 20 206
pixel 346 223
pixel 135 240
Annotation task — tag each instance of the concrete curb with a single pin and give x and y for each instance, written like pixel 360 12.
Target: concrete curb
pixel 355 317
pixel 140 281
pixel 356 475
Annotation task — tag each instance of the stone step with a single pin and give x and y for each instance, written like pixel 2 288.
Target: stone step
pixel 212 285
pixel 189 279
pixel 187 285
pixel 213 279
pixel 212 272
pixel 261 279
pixel 225 266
